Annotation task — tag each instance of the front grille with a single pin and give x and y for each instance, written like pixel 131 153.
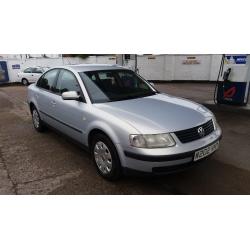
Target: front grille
pixel 192 134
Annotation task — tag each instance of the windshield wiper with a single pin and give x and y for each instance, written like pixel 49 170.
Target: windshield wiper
pixel 149 94
pixel 133 97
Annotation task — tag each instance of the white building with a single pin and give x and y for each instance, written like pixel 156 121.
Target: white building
pixel 18 62
pixel 151 67
pixel 179 67
pixel 27 56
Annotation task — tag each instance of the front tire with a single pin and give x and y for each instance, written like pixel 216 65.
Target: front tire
pixel 105 157
pixel 25 82
pixel 37 122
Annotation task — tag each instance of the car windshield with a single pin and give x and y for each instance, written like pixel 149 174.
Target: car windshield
pixel 115 85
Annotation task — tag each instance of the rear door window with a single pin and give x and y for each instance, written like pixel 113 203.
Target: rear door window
pixel 37 70
pixel 28 70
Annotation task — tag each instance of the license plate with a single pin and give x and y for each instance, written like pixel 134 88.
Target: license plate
pixel 206 151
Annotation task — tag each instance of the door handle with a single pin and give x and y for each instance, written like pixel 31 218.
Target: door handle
pixel 53 103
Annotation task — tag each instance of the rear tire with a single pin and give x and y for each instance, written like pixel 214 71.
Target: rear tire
pixel 37 122
pixel 25 82
pixel 105 157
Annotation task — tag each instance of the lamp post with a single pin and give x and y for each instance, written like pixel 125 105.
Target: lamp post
pixel 121 58
pixel 136 69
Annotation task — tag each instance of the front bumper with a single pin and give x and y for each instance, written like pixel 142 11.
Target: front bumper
pixel 165 160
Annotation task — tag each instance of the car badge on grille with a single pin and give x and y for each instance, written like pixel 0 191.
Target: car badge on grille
pixel 201 131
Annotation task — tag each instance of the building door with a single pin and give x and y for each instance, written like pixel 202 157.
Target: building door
pixel 4 76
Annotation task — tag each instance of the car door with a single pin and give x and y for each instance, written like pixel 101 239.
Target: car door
pixel 46 95
pixel 70 114
pixel 36 73
pixel 27 74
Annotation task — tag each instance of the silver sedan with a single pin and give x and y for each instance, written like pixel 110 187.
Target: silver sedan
pixel 123 121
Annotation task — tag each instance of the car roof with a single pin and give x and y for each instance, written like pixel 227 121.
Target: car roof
pixel 93 67
pixel 36 67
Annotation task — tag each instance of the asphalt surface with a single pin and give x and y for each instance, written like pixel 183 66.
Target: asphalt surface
pixel 48 163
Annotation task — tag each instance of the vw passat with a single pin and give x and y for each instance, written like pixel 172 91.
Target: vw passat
pixel 122 119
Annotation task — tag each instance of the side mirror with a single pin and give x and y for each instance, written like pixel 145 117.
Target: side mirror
pixel 70 95
pixel 152 84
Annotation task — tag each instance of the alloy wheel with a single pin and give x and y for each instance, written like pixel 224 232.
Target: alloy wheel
pixel 36 119
pixel 103 157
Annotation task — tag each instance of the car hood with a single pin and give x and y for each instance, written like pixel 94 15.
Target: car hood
pixel 159 113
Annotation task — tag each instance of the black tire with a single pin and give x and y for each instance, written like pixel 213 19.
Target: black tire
pixel 25 82
pixel 116 170
pixel 37 122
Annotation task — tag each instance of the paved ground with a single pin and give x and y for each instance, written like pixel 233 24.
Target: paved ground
pixel 33 163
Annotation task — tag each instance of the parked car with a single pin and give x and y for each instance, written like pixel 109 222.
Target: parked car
pixel 31 74
pixel 123 121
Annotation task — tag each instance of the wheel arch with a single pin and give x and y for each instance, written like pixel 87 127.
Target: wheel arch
pixel 112 137
pixel 24 78
pixel 32 106
pixel 95 131
pixel 112 134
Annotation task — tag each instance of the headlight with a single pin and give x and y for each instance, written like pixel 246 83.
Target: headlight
pixel 216 125
pixel 152 141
